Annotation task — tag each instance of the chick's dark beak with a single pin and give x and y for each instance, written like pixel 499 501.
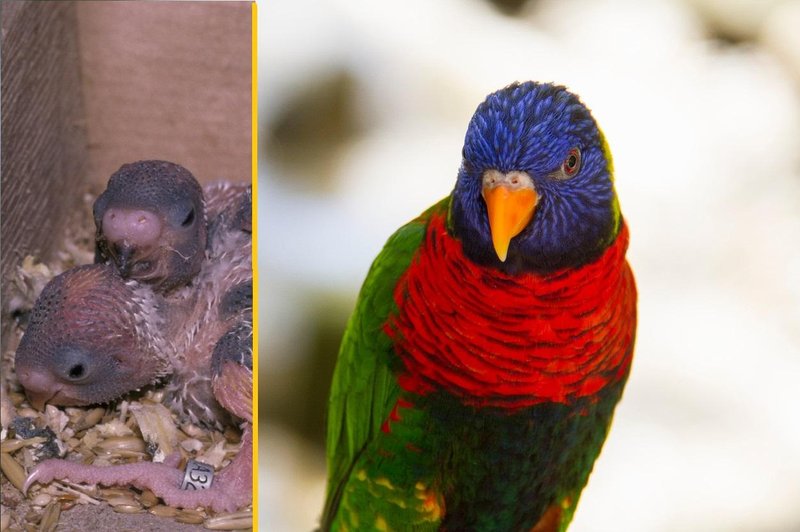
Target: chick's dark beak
pixel 123 253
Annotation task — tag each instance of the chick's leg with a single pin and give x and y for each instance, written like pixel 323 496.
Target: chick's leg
pixel 228 490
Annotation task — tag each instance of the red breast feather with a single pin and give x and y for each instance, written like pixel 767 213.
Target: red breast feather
pixel 511 342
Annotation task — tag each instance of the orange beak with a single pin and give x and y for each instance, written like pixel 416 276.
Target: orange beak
pixel 510 210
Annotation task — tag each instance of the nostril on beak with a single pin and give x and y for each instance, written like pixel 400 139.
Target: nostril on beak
pixel 137 226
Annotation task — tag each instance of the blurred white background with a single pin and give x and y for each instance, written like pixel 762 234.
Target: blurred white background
pixel 363 111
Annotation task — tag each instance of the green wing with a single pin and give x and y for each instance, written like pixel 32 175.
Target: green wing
pixel 364 388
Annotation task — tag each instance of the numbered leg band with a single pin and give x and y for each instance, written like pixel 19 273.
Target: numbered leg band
pixel 198 476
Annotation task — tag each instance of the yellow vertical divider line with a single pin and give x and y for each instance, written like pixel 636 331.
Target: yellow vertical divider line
pixel 254 234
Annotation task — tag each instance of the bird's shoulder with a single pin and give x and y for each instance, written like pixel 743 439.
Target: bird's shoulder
pixel 364 387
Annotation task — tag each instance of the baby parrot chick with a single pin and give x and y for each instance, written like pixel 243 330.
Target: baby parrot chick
pixel 151 224
pixel 98 332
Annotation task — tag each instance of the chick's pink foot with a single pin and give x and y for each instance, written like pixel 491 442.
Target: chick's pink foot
pixel 231 488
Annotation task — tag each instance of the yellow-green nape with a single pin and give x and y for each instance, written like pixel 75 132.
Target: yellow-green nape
pixel 606 153
pixel 615 210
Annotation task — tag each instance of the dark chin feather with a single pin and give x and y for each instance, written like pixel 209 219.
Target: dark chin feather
pixel 543 247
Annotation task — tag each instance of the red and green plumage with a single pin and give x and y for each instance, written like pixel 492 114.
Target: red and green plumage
pixel 475 396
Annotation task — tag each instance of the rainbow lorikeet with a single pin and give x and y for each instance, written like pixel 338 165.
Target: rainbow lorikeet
pixel 492 338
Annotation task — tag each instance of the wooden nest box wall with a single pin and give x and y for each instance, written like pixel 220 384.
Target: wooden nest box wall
pixel 89 86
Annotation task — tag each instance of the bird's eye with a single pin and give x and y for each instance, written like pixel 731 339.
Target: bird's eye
pixel 189 219
pixel 76 372
pixel 572 164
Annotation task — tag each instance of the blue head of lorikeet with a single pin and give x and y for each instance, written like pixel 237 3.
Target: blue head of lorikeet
pixel 492 337
pixel 534 191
